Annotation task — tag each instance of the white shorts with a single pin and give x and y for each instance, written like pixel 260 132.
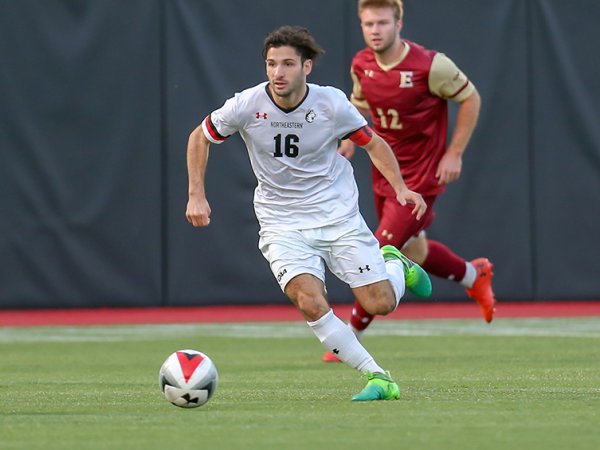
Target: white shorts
pixel 349 250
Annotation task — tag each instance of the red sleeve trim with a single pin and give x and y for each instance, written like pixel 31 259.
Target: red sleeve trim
pixel 460 90
pixel 361 137
pixel 213 130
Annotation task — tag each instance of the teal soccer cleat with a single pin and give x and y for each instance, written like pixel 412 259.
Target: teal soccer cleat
pixel 380 386
pixel 417 280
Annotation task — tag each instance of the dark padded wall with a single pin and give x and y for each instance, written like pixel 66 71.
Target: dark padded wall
pixel 565 144
pixel 80 151
pixel 97 100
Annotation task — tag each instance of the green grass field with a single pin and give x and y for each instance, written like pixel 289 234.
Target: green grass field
pixel 519 384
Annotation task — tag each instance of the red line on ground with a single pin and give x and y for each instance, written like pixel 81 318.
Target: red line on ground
pixel 274 313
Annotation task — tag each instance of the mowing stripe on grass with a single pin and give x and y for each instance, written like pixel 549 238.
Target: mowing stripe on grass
pixel 565 327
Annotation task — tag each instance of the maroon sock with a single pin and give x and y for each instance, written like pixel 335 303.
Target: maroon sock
pixel 444 263
pixel 360 319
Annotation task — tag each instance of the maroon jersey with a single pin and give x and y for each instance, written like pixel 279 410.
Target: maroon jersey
pixel 407 114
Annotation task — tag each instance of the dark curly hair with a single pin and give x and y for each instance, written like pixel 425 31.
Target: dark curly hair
pixel 293 36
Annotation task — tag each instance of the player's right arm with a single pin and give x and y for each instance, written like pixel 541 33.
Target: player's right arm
pixel 215 129
pixel 198 209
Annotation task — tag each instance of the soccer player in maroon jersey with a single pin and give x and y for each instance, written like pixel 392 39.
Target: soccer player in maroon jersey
pixel 405 88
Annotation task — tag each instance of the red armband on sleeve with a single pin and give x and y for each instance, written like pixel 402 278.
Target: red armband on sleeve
pixel 362 136
pixel 213 134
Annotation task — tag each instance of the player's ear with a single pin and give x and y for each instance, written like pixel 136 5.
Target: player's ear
pixel 307 66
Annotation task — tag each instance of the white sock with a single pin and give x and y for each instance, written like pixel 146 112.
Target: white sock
pixel 339 339
pixel 470 276
pixel 395 270
pixel 357 333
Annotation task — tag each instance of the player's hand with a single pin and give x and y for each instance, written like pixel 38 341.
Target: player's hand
pixel 407 196
pixel 449 168
pixel 198 212
pixel 347 149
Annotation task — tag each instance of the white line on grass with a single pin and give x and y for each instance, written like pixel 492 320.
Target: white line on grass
pixel 554 327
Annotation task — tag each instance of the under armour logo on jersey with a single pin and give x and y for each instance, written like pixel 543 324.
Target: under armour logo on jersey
pixel 366 268
pixel 263 115
pixel 310 116
pixel 369 73
pixel 406 79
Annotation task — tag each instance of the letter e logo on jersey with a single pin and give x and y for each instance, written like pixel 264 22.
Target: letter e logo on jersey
pixel 406 79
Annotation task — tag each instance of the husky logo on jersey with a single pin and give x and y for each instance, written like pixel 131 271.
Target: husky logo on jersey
pixel 406 79
pixel 310 116
pixel 261 115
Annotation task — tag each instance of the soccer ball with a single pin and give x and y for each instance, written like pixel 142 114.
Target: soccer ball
pixel 188 378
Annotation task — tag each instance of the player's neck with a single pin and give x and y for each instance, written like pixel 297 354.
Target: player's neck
pixel 391 55
pixel 289 101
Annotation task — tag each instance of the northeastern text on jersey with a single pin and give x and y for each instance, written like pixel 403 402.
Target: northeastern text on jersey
pixel 286 124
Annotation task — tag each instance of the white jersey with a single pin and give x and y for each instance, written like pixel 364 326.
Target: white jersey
pixel 303 182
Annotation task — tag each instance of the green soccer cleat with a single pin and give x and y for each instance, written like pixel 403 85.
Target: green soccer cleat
pixel 417 280
pixel 380 386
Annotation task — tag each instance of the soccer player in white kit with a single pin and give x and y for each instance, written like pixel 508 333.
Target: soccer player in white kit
pixel 306 200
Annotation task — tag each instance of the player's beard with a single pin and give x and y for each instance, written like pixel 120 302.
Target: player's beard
pixel 387 42
pixel 291 88
pixel 286 91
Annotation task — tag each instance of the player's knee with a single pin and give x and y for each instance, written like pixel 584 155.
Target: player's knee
pixel 386 307
pixel 416 250
pixel 312 306
pixel 377 298
pixel 381 303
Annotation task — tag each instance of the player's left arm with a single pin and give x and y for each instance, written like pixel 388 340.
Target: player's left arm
pixel 449 82
pixel 347 148
pixel 450 165
pixel 385 161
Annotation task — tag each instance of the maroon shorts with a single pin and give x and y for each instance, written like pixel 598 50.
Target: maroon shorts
pixel 397 224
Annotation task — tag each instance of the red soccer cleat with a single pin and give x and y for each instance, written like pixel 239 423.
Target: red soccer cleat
pixel 331 358
pixel 482 291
